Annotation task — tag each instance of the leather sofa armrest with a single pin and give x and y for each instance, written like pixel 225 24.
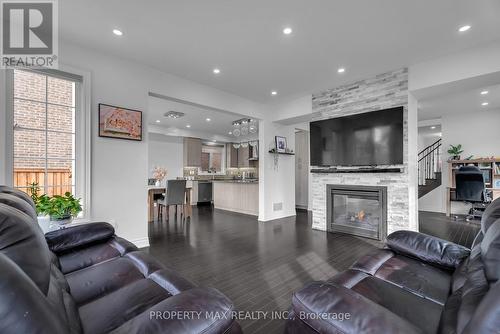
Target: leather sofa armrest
pixel 63 240
pixel 331 308
pixel 197 310
pixel 427 248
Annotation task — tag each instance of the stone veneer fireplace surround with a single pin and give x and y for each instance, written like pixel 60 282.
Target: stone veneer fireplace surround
pixel 383 91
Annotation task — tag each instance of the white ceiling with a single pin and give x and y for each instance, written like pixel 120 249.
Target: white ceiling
pixel 245 40
pixel 217 128
pixel 460 102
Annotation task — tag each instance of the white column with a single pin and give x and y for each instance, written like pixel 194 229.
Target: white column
pixel 276 180
pixel 412 162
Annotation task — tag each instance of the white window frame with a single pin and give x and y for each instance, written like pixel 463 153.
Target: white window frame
pixel 83 129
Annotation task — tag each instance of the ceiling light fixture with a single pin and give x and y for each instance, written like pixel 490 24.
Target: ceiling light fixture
pixel 157 121
pixel 216 71
pixel 208 119
pixel 274 93
pixel 464 28
pixel 484 92
pixel 173 114
pixel 188 126
pixel 117 32
pixel 484 104
pixel 244 126
pixel 229 133
pixel 341 70
pixel 433 127
pixel 287 31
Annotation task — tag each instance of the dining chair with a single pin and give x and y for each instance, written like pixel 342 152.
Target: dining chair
pixel 175 195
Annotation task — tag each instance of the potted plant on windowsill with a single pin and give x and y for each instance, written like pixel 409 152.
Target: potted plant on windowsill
pixel 455 151
pixel 41 205
pixel 62 209
pixel 59 209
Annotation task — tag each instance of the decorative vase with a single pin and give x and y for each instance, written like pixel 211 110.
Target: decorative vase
pixel 157 183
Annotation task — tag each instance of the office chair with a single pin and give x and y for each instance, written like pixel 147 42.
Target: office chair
pixel 470 187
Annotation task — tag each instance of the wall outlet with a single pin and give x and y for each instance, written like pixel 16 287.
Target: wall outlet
pixel 278 206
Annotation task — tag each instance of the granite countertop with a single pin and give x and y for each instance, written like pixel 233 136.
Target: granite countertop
pixel 238 181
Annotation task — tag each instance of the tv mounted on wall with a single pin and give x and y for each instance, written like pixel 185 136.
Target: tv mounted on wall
pixel 368 139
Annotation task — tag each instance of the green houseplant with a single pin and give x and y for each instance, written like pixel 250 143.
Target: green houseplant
pixel 61 209
pixel 41 201
pixel 455 151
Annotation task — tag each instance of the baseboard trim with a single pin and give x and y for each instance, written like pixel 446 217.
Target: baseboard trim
pixel 285 215
pixel 141 242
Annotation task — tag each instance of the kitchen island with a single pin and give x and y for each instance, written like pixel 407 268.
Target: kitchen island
pixel 240 196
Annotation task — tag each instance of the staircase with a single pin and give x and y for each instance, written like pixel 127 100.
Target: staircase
pixel 429 168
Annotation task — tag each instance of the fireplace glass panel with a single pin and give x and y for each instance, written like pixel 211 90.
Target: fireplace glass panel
pixel 358 212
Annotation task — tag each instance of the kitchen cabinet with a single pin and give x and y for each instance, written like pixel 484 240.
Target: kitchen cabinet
pixel 242 197
pixel 254 152
pixel 192 152
pixel 243 156
pixel 231 156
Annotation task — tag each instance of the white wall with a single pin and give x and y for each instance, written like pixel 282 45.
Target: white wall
pixel 120 167
pixel 277 182
pixel 166 151
pixel 294 110
pixel 424 140
pixel 479 135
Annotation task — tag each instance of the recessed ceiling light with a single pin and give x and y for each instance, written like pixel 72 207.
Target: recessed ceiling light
pixel 484 92
pixel 484 104
pixel 229 133
pixel 117 32
pixel 464 28
pixel 287 31
pixel 157 121
pixel 274 92
pixel 216 71
pixel 433 127
pixel 208 119
pixel 188 126
pixel 341 70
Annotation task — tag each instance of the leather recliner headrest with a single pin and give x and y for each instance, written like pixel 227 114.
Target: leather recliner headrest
pixel 23 242
pixel 18 193
pixel 490 252
pixel 19 204
pixel 490 215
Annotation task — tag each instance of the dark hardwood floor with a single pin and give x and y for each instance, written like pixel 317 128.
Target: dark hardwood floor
pixel 460 231
pixel 259 265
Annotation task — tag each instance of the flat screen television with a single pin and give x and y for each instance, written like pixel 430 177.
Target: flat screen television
pixel 368 139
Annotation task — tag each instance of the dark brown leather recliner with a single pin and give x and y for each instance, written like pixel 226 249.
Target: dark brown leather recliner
pixel 85 279
pixel 417 284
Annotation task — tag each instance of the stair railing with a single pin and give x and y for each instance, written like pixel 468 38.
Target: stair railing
pixel 429 162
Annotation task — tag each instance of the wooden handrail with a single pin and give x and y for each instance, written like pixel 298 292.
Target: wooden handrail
pixel 429 153
pixel 437 141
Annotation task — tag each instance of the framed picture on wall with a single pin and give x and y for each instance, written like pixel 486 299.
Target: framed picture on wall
pixel 117 122
pixel 280 144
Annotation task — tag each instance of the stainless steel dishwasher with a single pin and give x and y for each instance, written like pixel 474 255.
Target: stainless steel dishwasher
pixel 204 191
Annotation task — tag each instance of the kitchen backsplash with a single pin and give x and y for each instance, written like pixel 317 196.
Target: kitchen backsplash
pixel 250 172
